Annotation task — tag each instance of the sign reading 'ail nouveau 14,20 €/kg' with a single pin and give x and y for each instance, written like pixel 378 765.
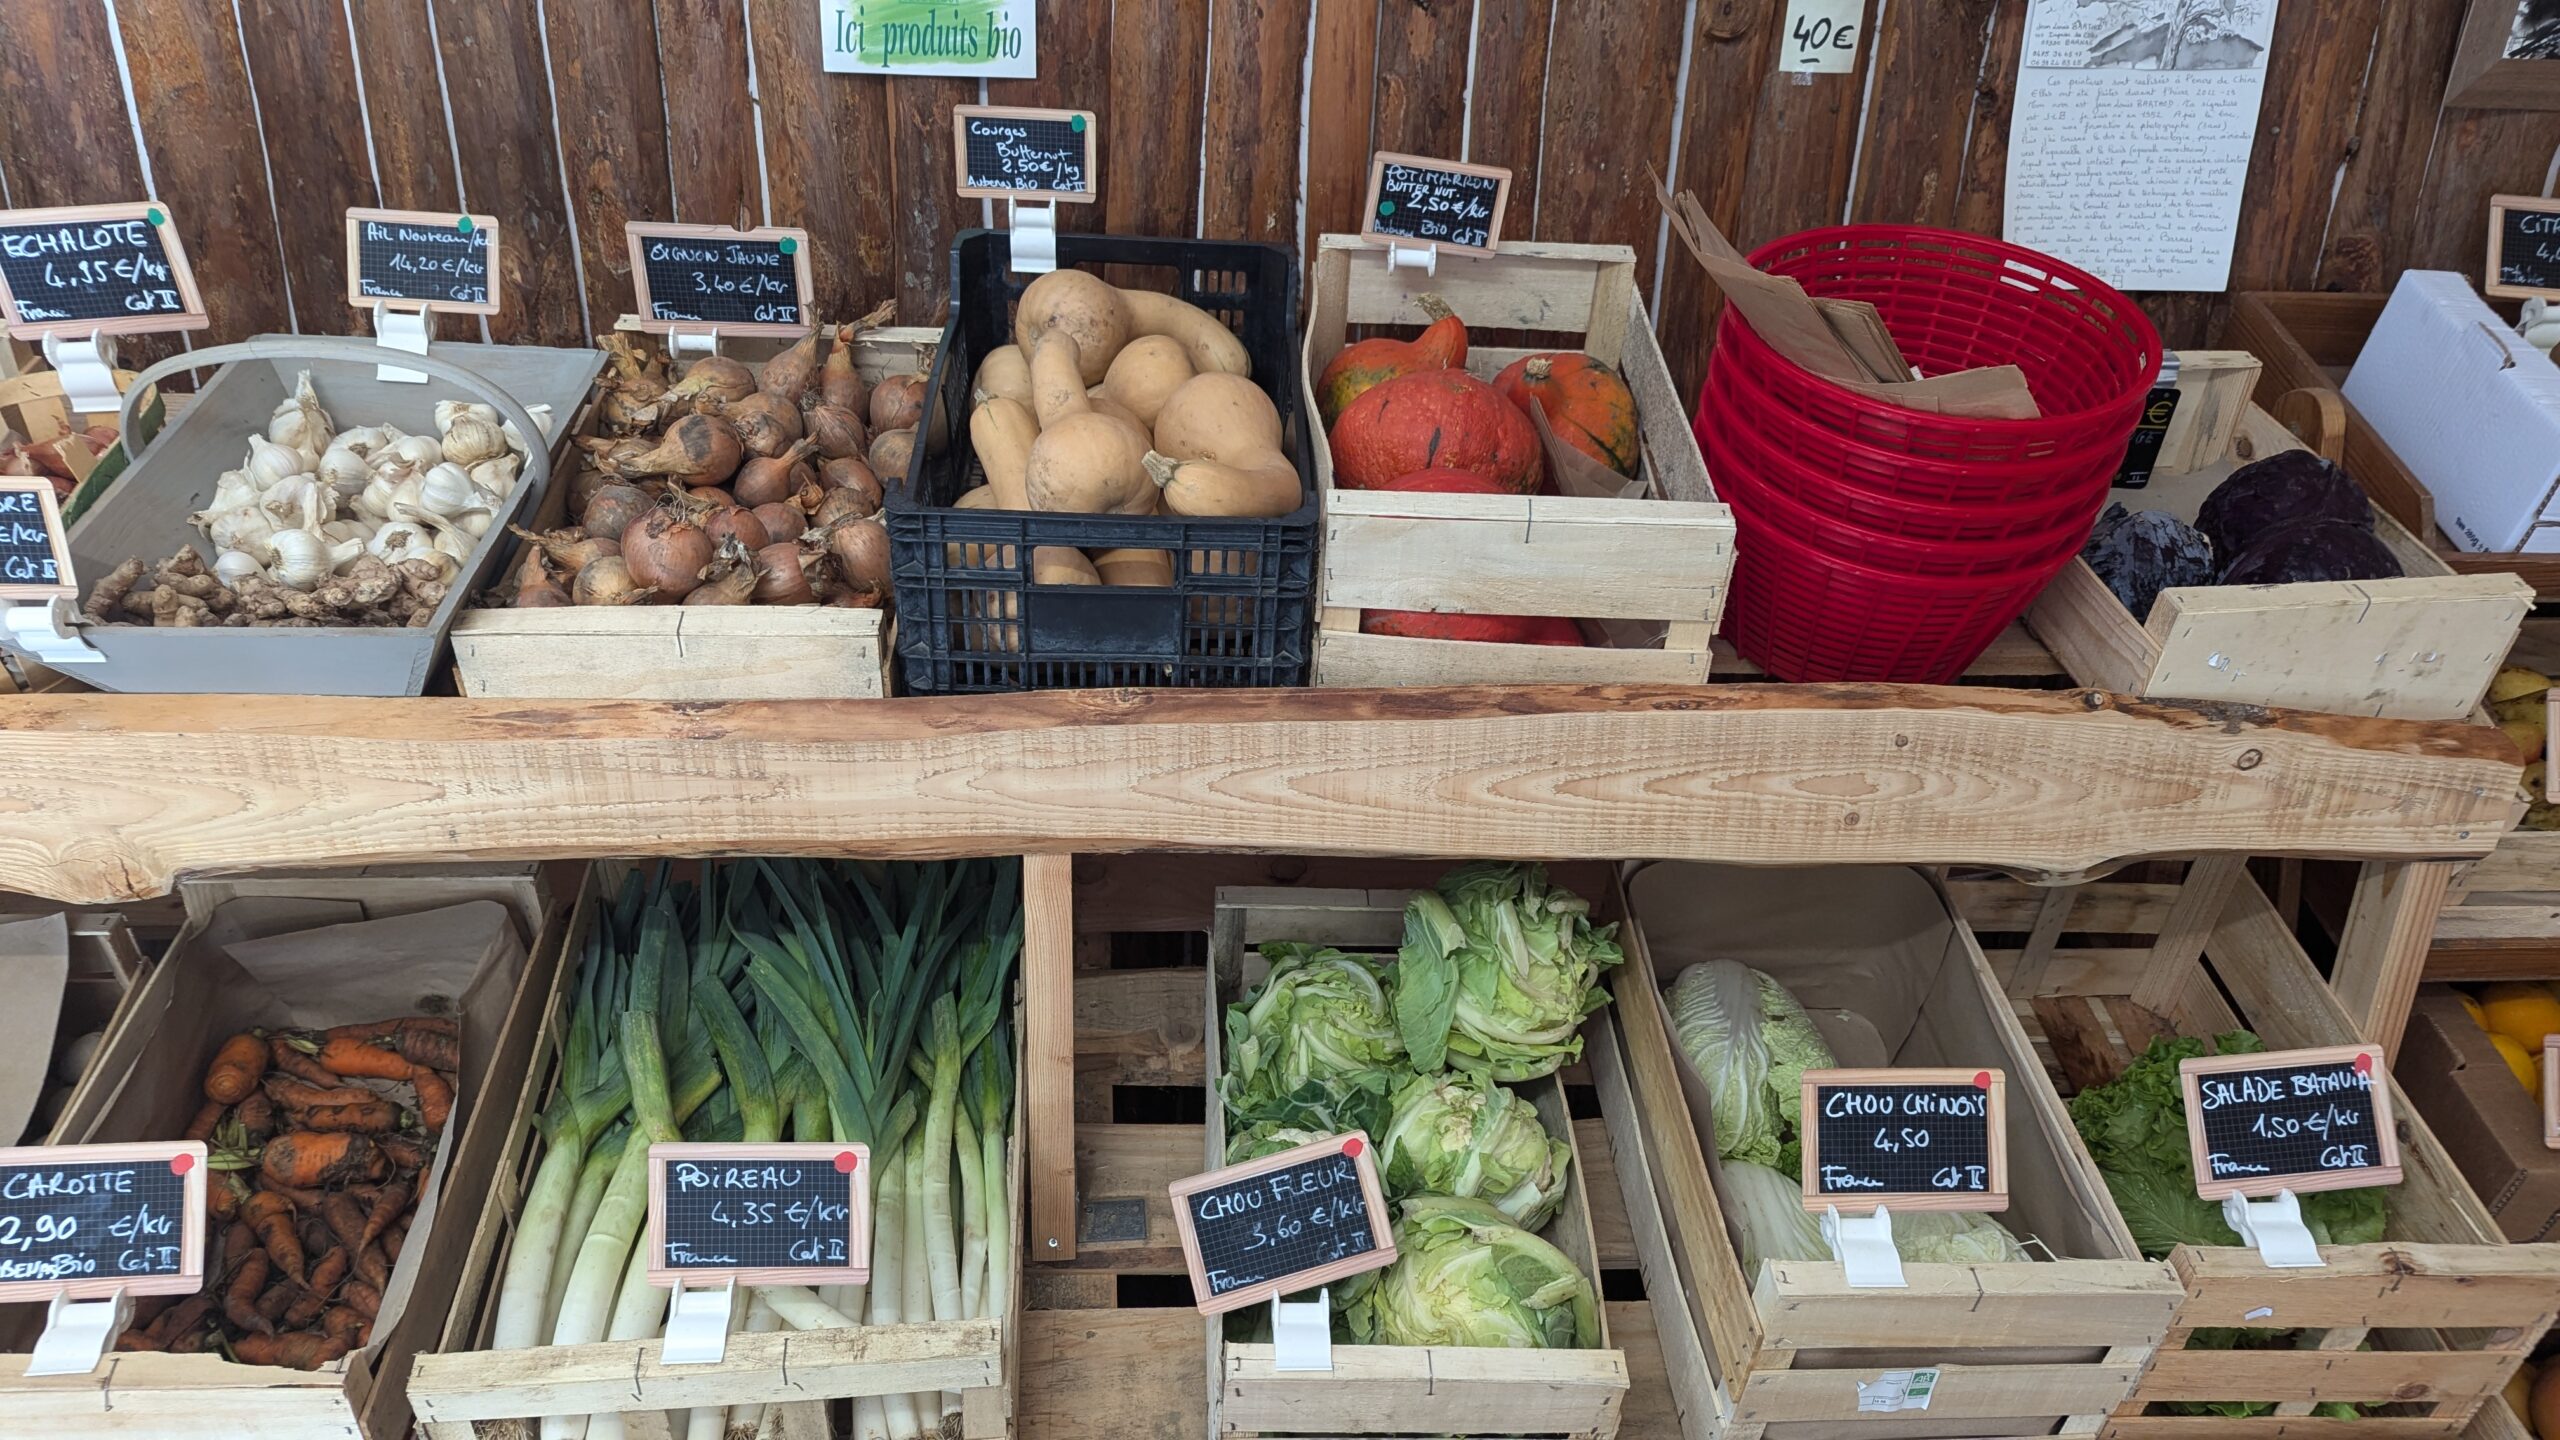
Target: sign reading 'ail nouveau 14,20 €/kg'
pixel 2299 1120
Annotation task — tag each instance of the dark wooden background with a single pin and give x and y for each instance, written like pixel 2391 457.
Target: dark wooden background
pixel 568 117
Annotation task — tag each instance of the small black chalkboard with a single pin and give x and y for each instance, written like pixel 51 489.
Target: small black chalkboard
pixel 2524 247
pixel 2299 1120
pixel 409 258
pixel 1008 153
pixel 82 1221
pixel 762 1214
pixel 741 282
pixel 95 270
pixel 1437 202
pixel 1283 1223
pixel 34 563
pixel 1910 1139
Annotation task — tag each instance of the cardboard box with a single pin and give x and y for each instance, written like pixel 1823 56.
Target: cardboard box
pixel 2488 1122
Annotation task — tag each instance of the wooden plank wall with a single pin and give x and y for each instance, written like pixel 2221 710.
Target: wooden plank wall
pixel 259 122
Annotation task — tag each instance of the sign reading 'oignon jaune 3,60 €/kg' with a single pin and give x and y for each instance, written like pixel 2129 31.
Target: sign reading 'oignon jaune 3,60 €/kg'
pixel 738 282
pixel 2298 1120
pixel 85 1221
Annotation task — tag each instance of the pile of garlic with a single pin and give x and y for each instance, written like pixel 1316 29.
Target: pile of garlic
pixel 310 500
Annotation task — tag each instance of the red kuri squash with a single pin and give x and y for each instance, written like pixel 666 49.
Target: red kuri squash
pixel 1587 405
pixel 1368 363
pixel 1436 420
pixel 1492 629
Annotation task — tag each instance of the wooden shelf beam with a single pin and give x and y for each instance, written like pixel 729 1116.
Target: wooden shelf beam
pixel 108 797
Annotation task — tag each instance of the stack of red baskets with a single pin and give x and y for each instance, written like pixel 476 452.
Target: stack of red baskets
pixel 1877 542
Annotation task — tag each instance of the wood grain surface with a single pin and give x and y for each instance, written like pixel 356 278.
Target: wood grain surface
pixel 499 105
pixel 711 149
pixel 116 796
pixel 315 149
pixel 1256 86
pixel 604 70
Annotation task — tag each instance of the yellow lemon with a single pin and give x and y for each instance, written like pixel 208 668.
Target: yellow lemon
pixel 2521 1061
pixel 2520 1390
pixel 2521 1011
pixel 2515 682
pixel 2472 1008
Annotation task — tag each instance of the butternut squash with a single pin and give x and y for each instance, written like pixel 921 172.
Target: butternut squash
pixel 1006 372
pixel 1002 432
pixel 1090 464
pixel 1145 374
pixel 1221 417
pixel 1262 490
pixel 1086 308
pixel 1057 388
pixel 1062 565
pixel 1153 568
pixel 974 556
pixel 1212 345
pixel 1099 397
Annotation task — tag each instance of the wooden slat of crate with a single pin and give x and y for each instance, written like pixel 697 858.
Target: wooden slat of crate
pixel 1810 1306
pixel 2382 1286
pixel 145 1394
pixel 2501 919
pixel 1964 1392
pixel 2362 1377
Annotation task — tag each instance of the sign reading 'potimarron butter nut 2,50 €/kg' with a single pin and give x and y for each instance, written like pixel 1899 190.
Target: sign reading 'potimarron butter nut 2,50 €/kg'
pixel 1417 200
pixel 1284 1223
pixel 84 1221
pixel 2298 1120
pixel 778 1214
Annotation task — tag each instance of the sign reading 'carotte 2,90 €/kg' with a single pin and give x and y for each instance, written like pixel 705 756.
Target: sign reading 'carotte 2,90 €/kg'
pixel 1284 1223
pixel 778 1214
pixel 85 1221
pixel 2298 1120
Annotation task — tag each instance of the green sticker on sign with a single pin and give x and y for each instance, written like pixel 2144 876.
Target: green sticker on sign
pixel 1386 207
pixel 156 216
pixel 463 225
pixel 790 246
pixel 1076 124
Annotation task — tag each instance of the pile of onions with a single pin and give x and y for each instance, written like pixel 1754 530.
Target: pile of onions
pixel 728 484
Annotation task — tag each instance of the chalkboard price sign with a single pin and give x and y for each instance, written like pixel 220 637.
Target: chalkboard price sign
pixel 1909 1139
pixel 2298 1120
pixel 1438 202
pixel 2524 247
pixel 407 259
pixel 95 270
pixel 84 1221
pixel 34 563
pixel 1006 152
pixel 702 277
pixel 761 1214
pixel 1283 1223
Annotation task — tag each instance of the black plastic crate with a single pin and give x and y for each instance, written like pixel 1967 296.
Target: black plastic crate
pixel 1241 609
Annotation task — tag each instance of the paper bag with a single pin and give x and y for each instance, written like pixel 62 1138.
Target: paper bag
pixel 35 964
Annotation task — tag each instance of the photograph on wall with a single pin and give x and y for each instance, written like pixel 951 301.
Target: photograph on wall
pixel 2535 33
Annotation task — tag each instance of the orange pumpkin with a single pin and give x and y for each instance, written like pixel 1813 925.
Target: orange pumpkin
pixel 1370 363
pixel 1587 405
pixel 1484 629
pixel 1436 420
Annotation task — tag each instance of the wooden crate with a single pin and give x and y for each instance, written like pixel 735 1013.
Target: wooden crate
pixel 2308 341
pixel 1392 1389
pixel 32 404
pixel 2501 917
pixel 1653 571
pixel 2044 1348
pixel 2095 971
pixel 464 1391
pixel 2422 647
pixel 364 1396
pixel 679 652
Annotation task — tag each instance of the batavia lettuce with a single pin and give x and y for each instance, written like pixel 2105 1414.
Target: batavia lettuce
pixel 1497 971
pixel 1465 1275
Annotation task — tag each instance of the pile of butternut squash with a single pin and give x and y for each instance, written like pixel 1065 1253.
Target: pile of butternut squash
pixel 1123 402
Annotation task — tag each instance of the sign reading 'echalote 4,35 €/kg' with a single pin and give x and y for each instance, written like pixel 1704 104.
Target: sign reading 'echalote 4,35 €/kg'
pixel 411 258
pixel 1910 1139
pixel 2299 1120
pixel 778 1214
pixel 84 1221
pixel 95 270
pixel 739 282
pixel 1284 1223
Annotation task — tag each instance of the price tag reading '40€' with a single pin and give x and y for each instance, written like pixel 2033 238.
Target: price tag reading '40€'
pixel 1284 1223
pixel 1821 37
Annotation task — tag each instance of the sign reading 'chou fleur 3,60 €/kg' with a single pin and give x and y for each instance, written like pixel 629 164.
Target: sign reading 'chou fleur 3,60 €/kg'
pixel 1284 1223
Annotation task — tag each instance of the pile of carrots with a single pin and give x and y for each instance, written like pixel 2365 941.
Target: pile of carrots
pixel 317 1178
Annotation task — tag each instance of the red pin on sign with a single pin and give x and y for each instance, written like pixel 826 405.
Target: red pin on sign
pixel 1981 1079
pixel 2364 1064
pixel 845 1163
pixel 1351 1147
pixel 181 1164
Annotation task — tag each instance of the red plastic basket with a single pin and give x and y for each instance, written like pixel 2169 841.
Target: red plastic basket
pixel 1874 489
pixel 1953 302
pixel 1739 484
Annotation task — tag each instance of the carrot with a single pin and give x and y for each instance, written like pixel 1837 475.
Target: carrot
pixel 390 1203
pixel 201 1127
pixel 365 1298
pixel 404 1154
pixel 270 1218
pixel 363 1060
pixel 392 1242
pixel 374 1268
pixel 237 1241
pixel 304 1160
pixel 294 1352
pixel 257 1116
pixel 293 1095
pixel 139 1339
pixel 305 1200
pixel 190 1341
pixel 373 1117
pixel 342 1323
pixel 392 1029
pixel 346 1220
pixel 435 1099
pixel 240 1296
pixel 325 1278
pixel 236 1068
pixel 277 1299
pixel 223 1194
pixel 430 1049
pixel 290 1057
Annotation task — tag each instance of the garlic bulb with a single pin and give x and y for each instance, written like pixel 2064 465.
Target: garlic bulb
pixel 450 411
pixel 342 469
pixel 470 440
pixel 401 540
pixel 446 492
pixel 416 451
pixel 233 566
pixel 344 530
pixel 232 491
pixel 248 528
pixel 541 416
pixel 365 439
pixel 375 502
pixel 497 477
pixel 297 499
pixel 298 421
pixel 304 559
pixel 452 541
pixel 270 462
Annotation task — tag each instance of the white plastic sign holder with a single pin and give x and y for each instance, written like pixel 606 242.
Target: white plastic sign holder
pixel 686 342
pixel 86 364
pixel 1864 1244
pixel 2275 1228
pixel 1035 237
pixel 698 1324
pixel 405 331
pixel 1424 257
pixel 1302 1332
pixel 78 1333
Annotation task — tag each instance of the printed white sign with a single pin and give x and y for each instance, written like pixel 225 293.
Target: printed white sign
pixel 999 38
pixel 2129 144
pixel 1897 1390
pixel 1821 37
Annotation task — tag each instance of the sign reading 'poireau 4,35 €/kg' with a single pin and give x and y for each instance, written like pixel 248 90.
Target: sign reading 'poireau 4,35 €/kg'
pixel 761 1214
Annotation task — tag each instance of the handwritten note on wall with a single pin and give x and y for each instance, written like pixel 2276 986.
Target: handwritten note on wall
pixel 2129 147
